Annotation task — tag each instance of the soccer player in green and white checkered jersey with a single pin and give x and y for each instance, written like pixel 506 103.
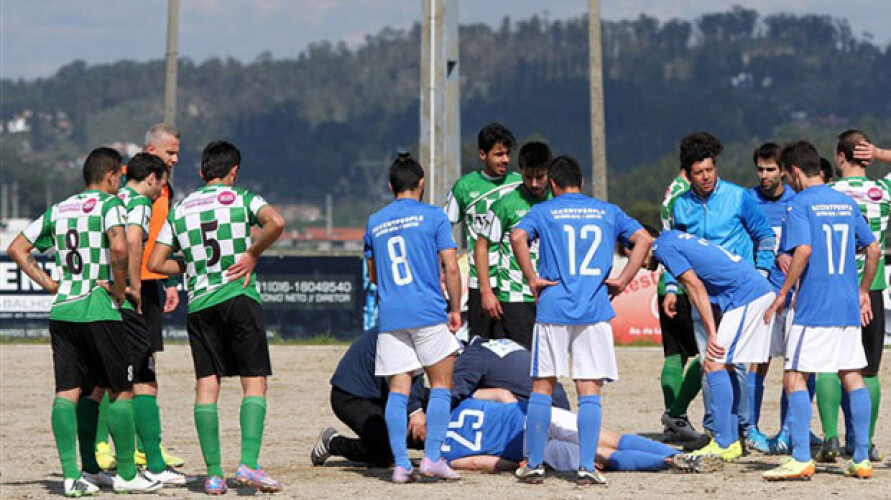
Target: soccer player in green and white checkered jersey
pixel 90 349
pixel 874 200
pixel 227 333
pixel 468 202
pixel 511 305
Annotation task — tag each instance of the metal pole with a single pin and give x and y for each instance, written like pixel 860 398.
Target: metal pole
pixel 598 134
pixel 171 55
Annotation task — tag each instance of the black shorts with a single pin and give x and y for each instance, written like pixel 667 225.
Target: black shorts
pixel 229 339
pixel 479 323
pixel 517 322
pixel 153 299
pixel 89 355
pixel 873 334
pixel 677 332
pixel 142 354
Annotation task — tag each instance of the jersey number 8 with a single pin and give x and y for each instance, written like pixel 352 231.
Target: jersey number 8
pixel 399 261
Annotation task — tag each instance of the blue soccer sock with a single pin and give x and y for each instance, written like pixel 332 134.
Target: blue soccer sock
pixel 589 430
pixel 635 461
pixel 755 382
pixel 799 421
pixel 849 418
pixel 397 428
pixel 862 413
pixel 784 409
pixel 633 442
pixel 738 418
pixel 812 385
pixel 538 418
pixel 437 421
pixel 722 406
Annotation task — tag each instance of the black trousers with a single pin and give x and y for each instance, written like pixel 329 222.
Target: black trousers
pixel 366 418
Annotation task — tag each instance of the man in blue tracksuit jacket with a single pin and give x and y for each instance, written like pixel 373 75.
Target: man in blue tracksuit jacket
pixel 722 213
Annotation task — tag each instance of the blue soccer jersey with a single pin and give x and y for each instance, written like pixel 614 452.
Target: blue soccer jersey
pixel 730 282
pixel 404 239
pixel 485 428
pixel 830 223
pixel 775 210
pixel 576 235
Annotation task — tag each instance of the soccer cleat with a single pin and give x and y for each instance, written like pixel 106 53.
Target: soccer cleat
pixel 171 460
pixel 815 440
pixel 728 454
pixel 756 440
pixel 215 485
pixel 439 469
pixel 685 462
pixel 680 427
pixel 791 469
pixel 169 477
pixel 139 484
pixel 104 457
pixel 321 451
pixel 779 444
pixel 585 477
pixel 829 451
pixel 703 440
pixel 874 454
pixel 531 475
pixel 402 476
pixel 100 478
pixel 76 488
pixel 862 470
pixel 257 478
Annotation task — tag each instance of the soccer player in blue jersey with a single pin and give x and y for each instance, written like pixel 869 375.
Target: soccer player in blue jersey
pixel 406 244
pixel 576 236
pixel 823 230
pixel 710 273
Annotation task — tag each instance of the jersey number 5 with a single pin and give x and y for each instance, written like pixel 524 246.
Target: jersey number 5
pixel 585 269
pixel 211 243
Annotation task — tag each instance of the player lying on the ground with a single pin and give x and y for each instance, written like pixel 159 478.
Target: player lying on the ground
pixel 486 434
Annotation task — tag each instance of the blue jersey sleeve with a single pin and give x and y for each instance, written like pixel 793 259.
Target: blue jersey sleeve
pixel 796 229
pixel 529 224
pixel 625 227
pixel 444 238
pixel 759 229
pixel 674 261
pixel 862 234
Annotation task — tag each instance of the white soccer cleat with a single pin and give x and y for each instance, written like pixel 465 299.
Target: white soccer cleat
pixel 100 478
pixel 139 484
pixel 76 488
pixel 169 477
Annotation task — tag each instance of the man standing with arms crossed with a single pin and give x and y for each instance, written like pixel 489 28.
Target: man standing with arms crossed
pixel 577 235
pixel 823 231
pixel 514 309
pixel 468 202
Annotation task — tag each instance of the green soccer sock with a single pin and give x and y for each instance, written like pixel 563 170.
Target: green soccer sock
pixel 875 398
pixel 102 421
pixel 64 418
pixel 87 416
pixel 672 375
pixel 123 431
pixel 252 417
pixel 829 396
pixel 207 422
pixel 689 388
pixel 148 430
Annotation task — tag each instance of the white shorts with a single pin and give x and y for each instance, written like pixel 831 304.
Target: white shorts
pixel 742 332
pixel 410 350
pixel 562 447
pixel 781 325
pixel 591 347
pixel 824 349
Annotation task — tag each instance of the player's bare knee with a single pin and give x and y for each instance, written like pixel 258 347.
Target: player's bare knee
pixel 851 380
pixel 254 386
pixel 71 394
pixel 145 389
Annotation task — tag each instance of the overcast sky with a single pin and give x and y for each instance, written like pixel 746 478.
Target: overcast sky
pixel 39 36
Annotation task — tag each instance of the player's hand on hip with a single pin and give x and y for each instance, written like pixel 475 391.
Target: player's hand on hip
pixel 490 304
pixel 417 426
pixel 670 305
pixel 455 321
pixel 243 268
pixel 52 287
pixel 135 296
pixel 713 351
pixel 537 284
pixel 775 307
pixel 615 287
pixel 783 261
pixel 171 298
pixel 118 298
pixel 865 309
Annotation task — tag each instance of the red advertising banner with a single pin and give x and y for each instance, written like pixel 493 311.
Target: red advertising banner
pixel 637 316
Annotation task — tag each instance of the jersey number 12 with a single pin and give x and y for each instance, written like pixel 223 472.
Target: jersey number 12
pixel 585 269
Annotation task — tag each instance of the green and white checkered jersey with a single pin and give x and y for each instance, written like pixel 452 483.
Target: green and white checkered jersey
pixel 677 187
pixel 138 207
pixel 212 227
pixel 76 228
pixel 500 221
pixel 468 202
pixel 874 200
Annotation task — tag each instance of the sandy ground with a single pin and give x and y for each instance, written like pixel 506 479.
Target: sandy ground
pixel 298 408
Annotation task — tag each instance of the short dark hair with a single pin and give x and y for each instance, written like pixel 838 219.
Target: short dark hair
pixel 534 155
pixel 405 173
pixel 492 134
pixel 847 140
pixel 99 163
pixel 767 151
pixel 565 172
pixel 651 230
pixel 143 165
pixel 803 155
pixel 217 160
pixel 697 147
pixel 826 169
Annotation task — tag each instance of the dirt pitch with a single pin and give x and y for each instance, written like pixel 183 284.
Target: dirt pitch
pixel 298 408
